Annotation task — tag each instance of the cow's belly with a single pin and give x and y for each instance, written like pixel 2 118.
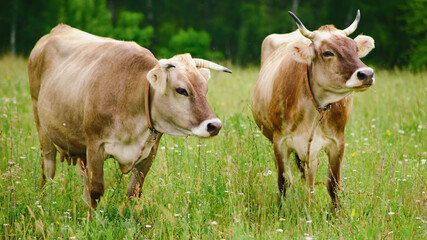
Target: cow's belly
pixel 60 109
pixel 63 127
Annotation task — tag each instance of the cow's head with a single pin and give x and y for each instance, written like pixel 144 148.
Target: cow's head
pixel 334 58
pixel 179 104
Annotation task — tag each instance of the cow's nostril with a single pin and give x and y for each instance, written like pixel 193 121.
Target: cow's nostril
pixel 361 76
pixel 213 128
pixel 365 75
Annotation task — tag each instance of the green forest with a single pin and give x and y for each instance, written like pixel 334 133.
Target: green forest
pixel 220 29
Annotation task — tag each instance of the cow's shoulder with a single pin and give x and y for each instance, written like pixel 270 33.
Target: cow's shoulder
pixel 277 42
pixel 286 95
pixel 338 115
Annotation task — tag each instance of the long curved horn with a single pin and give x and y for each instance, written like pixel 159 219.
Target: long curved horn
pixel 304 31
pixel 208 64
pixel 350 29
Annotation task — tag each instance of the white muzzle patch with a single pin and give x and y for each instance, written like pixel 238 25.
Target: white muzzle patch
pixel 207 128
pixel 361 77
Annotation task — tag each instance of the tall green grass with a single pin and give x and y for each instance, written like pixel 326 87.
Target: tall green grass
pixel 225 187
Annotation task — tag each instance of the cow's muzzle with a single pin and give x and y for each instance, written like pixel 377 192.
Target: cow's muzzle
pixel 361 79
pixel 214 127
pixel 366 75
pixel 207 128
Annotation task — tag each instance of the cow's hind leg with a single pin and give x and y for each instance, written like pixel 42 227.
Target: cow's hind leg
pixel 48 150
pixel 281 156
pixel 48 157
pixel 140 172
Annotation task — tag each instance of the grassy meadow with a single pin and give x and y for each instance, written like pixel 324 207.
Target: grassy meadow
pixel 225 187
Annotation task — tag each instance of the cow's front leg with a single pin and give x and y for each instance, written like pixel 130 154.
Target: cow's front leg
pixel 312 159
pixel 140 172
pixel 335 154
pixel 313 163
pixel 95 172
pixel 281 156
pixel 85 180
pixel 300 165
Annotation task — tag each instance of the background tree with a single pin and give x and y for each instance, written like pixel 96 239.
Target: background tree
pixel 195 42
pixel 234 28
pixel 416 27
pixel 88 15
pixel 128 27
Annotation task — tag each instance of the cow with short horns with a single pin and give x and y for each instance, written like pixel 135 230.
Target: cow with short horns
pixel 303 96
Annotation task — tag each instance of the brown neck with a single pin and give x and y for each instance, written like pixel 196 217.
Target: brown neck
pixel 313 99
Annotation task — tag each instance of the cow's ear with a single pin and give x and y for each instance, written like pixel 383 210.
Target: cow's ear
pixel 300 52
pixel 206 73
pixel 157 78
pixel 365 44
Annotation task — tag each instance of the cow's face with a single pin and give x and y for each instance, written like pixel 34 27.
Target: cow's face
pixel 179 104
pixel 334 58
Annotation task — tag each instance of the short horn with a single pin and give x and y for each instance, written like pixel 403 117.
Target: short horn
pixel 164 63
pixel 304 31
pixel 208 64
pixel 353 26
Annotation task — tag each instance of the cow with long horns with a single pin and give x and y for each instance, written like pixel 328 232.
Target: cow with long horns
pixel 303 97
pixel 95 98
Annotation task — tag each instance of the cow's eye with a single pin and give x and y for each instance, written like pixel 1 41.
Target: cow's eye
pixel 328 54
pixel 182 91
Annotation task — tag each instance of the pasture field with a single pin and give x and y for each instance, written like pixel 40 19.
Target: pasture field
pixel 225 187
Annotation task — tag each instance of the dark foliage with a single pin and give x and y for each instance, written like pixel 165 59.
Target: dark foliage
pixel 226 29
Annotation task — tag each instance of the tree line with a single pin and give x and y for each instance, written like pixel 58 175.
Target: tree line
pixel 220 29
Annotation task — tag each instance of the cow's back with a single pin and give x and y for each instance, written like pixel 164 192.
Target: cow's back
pixel 274 41
pixel 52 50
pixel 67 45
